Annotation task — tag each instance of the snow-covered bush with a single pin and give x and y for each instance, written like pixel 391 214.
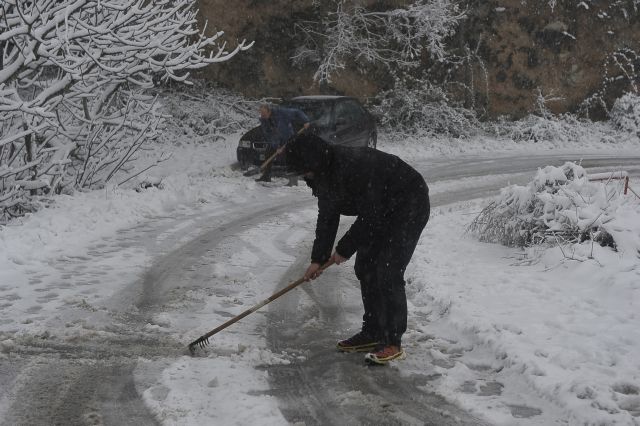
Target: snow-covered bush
pixel 543 126
pixel 555 130
pixel 537 128
pixel 560 204
pixel 203 114
pixel 625 114
pixel 416 106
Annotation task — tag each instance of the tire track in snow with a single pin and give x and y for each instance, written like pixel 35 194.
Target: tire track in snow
pixel 90 380
pixel 57 383
pixel 327 387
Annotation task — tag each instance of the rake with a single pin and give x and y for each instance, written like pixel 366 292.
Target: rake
pixel 263 166
pixel 203 340
pixel 256 170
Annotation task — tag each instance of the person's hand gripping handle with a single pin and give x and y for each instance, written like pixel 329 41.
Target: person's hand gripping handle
pixel 316 269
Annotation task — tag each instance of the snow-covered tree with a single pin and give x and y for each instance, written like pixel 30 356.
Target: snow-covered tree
pixel 73 75
pixel 395 37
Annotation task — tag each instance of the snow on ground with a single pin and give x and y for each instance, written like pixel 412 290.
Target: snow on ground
pixel 518 338
pixel 66 230
pixel 565 329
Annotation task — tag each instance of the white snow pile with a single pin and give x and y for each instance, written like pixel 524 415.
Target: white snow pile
pixel 560 205
pixel 625 114
pixel 555 338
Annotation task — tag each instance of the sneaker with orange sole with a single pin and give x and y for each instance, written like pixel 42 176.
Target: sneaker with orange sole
pixel 385 354
pixel 357 343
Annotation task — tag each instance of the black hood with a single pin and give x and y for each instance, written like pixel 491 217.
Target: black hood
pixel 308 153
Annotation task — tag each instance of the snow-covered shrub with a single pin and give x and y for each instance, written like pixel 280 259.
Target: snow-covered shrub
pixel 553 130
pixel 536 128
pixel 416 106
pixel 625 114
pixel 559 204
pixel 543 126
pixel 202 114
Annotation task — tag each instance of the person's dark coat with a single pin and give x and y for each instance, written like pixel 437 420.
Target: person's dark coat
pixel 361 182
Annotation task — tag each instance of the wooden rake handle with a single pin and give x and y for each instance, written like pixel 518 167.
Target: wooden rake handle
pixel 270 159
pixel 204 339
pixel 278 151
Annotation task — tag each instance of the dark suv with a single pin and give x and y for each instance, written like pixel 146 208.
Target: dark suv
pixel 339 120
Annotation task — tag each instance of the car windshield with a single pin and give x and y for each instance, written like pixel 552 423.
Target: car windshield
pixel 318 112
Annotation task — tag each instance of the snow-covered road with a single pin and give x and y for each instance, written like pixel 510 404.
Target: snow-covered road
pixel 99 337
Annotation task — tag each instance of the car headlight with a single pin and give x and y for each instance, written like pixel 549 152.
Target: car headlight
pixel 245 144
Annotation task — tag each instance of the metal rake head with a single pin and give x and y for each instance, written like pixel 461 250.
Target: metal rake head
pixel 201 342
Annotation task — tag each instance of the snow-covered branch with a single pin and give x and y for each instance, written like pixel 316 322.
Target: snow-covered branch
pixel 397 37
pixel 72 81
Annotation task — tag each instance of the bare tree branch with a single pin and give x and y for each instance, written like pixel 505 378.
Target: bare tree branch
pixel 397 37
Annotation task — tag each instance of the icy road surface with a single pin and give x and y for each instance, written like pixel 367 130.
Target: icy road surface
pixel 112 351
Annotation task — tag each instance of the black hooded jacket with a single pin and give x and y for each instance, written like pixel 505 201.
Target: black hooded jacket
pixel 360 182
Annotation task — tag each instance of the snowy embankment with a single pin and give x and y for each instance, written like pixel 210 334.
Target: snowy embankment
pixel 518 340
pixel 517 333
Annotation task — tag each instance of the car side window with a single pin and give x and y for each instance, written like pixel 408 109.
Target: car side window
pixel 322 116
pixel 349 111
pixel 318 112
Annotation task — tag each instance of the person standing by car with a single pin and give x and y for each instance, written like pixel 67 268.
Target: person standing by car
pixel 390 200
pixel 277 124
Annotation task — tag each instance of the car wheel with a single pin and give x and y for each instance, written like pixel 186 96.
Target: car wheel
pixel 372 141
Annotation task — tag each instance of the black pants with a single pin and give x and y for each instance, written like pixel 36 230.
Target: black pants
pixel 380 267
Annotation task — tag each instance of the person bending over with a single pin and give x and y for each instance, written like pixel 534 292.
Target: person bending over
pixel 390 201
